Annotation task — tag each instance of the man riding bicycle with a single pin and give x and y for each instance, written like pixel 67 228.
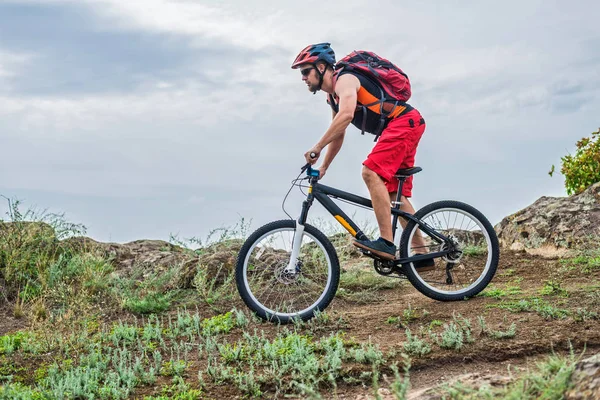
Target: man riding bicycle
pixel 357 98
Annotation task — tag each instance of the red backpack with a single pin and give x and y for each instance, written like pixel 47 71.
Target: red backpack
pixel 392 80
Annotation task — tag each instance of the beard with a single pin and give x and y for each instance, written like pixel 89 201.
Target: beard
pixel 313 87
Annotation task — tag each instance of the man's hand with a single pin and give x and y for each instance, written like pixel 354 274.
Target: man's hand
pixel 317 151
pixel 322 170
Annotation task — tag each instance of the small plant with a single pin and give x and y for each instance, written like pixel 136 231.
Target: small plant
pixel 173 368
pixel 415 346
pixel 367 354
pixel 218 324
pixel 452 337
pixel 123 333
pixel 497 293
pixel 455 334
pixel 553 288
pixel 209 287
pixel 583 314
pixel 409 314
pixel 434 323
pixel 241 320
pixel 510 333
pixel 149 303
pixel 231 353
pixel 12 342
pixel 401 384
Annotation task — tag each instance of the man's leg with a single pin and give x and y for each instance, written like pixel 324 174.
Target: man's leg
pixel 417 241
pixel 381 202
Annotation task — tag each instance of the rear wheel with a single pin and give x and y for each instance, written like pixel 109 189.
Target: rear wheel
pixel 473 259
pixel 276 294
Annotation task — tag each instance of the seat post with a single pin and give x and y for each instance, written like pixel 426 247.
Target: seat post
pixel 396 205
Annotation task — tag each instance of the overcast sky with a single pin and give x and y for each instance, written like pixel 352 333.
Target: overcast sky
pixel 145 118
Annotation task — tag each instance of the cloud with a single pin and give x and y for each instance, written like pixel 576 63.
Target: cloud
pixel 12 62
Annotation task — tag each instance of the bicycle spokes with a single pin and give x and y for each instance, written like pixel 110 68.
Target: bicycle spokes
pixel 467 251
pixel 278 289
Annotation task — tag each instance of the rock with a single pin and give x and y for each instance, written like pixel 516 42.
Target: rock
pixel 553 225
pixel 219 259
pixel 152 256
pixel 586 380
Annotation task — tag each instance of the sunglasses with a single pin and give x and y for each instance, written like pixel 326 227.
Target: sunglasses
pixel 306 71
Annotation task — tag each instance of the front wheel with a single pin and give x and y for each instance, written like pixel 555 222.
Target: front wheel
pixel 470 265
pixel 274 292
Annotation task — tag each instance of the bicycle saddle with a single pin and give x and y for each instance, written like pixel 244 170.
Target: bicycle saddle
pixel 405 172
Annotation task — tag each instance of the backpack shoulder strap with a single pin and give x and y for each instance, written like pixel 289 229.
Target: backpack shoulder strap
pixel 334 106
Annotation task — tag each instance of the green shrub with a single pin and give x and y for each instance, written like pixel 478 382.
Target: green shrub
pixel 29 245
pixel 582 169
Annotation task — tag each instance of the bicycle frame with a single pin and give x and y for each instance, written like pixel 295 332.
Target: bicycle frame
pixel 322 194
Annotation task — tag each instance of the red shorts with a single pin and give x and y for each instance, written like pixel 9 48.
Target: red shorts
pixel 395 149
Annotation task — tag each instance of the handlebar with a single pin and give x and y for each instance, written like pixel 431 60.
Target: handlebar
pixel 311 171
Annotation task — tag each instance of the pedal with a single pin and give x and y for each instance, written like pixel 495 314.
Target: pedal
pixel 368 253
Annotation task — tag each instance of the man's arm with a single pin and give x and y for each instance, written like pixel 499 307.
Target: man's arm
pixel 346 88
pixel 333 149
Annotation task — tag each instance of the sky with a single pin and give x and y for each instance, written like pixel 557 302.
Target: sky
pixel 143 119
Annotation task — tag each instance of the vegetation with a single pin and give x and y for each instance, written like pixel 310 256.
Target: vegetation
pixel 96 333
pixel 582 169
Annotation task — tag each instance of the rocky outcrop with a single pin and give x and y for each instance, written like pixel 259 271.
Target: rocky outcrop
pixel 157 256
pixel 554 224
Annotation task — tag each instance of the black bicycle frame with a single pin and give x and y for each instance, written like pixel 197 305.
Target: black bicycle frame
pixel 322 194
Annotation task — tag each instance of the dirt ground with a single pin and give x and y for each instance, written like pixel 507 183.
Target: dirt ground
pixel 537 336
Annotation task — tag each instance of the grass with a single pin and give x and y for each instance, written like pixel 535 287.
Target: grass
pixel 586 262
pixel 532 304
pixel 475 250
pixel 553 288
pixel 498 292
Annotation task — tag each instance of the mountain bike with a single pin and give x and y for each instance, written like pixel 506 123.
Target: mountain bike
pixel 289 270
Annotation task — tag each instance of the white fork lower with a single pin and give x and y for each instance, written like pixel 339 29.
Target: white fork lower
pixel 291 267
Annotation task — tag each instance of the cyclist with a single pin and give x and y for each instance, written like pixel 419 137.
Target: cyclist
pixel 396 146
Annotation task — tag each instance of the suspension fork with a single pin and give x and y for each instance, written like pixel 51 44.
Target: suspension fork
pixel 299 232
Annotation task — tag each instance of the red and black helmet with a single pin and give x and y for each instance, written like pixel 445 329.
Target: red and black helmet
pixel 313 53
